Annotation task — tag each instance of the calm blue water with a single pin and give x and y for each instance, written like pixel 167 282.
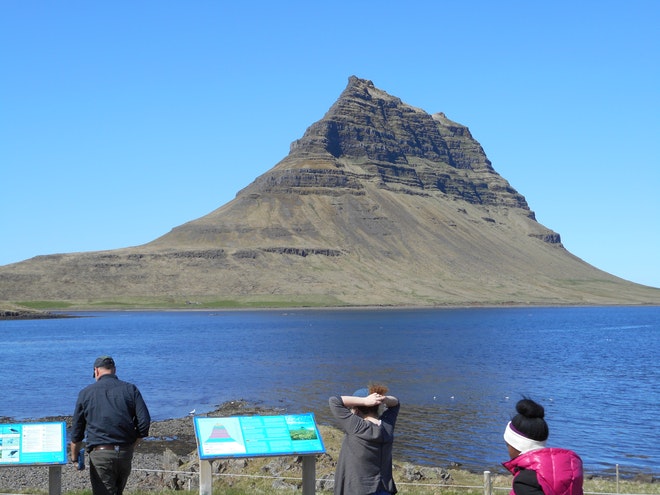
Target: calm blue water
pixel 457 372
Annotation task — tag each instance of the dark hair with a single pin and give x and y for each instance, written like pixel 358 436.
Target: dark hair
pixel 529 420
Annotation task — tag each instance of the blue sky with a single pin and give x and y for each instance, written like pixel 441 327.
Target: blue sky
pixel 121 120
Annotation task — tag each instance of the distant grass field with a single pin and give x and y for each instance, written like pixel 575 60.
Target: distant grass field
pixel 252 302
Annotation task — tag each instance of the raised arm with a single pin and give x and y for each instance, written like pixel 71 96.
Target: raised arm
pixel 369 401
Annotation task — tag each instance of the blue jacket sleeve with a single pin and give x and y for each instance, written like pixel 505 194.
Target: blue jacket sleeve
pixel 142 416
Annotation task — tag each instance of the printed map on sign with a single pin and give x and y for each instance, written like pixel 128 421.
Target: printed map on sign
pixel 243 436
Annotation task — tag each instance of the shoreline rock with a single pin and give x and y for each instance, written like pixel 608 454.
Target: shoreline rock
pixel 168 459
pixel 29 315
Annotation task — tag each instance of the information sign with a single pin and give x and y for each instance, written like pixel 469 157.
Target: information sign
pixel 33 443
pixel 245 436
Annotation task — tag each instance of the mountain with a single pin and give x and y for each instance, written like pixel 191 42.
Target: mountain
pixel 378 203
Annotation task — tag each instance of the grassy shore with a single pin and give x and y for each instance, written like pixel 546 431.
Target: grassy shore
pixel 257 477
pixel 271 475
pixel 412 479
pixel 168 463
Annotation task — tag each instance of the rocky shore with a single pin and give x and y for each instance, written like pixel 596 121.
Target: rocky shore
pixel 14 312
pixel 168 459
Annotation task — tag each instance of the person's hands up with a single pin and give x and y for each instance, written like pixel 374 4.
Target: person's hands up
pixel 373 400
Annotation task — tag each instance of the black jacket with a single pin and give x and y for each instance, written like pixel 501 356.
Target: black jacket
pixel 526 483
pixel 110 411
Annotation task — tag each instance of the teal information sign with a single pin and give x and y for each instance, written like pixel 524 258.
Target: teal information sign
pixel 245 436
pixel 33 443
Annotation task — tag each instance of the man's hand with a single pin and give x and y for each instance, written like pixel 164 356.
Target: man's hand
pixel 75 452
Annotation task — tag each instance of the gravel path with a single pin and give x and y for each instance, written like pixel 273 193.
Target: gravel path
pixel 160 461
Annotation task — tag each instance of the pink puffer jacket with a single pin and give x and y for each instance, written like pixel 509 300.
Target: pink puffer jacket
pixel 559 471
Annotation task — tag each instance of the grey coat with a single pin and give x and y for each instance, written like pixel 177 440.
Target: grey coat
pixel 365 460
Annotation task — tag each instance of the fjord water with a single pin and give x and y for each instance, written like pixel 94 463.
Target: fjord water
pixel 457 372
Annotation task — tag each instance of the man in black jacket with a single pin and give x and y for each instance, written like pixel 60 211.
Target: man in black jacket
pixel 113 416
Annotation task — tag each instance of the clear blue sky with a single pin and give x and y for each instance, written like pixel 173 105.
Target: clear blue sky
pixel 121 120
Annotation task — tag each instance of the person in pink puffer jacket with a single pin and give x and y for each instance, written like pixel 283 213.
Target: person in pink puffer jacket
pixel 537 469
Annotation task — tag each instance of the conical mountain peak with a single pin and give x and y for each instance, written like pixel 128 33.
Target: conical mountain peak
pixel 378 203
pixel 369 135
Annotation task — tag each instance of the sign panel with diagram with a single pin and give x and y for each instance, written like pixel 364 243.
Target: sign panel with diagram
pixel 33 443
pixel 245 436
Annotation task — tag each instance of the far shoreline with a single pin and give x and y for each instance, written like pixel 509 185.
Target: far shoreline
pixel 72 312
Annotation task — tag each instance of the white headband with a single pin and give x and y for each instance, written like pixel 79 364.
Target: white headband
pixel 520 442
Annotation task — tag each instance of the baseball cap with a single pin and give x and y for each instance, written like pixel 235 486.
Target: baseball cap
pixel 361 392
pixel 104 362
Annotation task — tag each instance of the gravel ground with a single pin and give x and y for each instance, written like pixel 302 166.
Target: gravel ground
pixel 161 461
pixel 168 459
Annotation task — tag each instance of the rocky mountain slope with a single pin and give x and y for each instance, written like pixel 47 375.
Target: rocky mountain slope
pixel 378 203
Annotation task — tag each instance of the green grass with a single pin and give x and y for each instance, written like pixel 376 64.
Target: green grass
pixel 42 305
pixel 257 476
pixel 248 302
pixel 463 484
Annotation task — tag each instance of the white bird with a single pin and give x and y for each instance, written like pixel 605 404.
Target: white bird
pixel 192 412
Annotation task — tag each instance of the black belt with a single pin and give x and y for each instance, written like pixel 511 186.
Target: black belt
pixel 116 447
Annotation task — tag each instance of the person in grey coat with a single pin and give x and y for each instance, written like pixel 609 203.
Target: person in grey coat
pixel 365 460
